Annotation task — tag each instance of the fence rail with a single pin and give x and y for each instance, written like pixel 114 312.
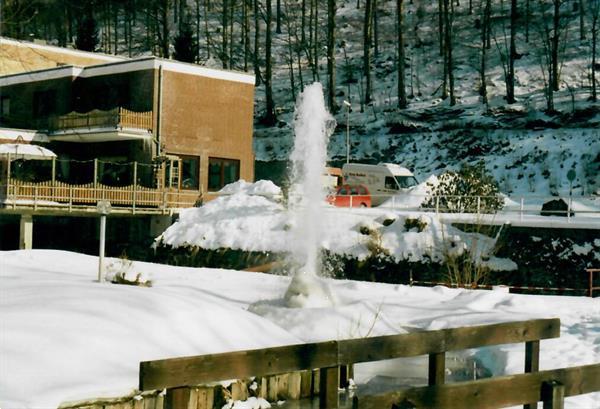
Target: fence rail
pixel 329 357
pixel 118 117
pixel 549 387
pixel 18 193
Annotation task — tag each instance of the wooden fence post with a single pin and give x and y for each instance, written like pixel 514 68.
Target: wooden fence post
pixel 177 398
pixel 553 395
pixel 437 368
pixel 532 363
pixel 329 380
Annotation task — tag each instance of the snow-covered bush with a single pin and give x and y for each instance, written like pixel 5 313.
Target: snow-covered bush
pixel 469 190
pixel 121 272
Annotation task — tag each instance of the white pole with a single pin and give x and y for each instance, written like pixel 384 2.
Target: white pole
pixel 101 250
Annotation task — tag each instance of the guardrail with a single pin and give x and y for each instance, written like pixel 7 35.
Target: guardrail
pixel 480 205
pixel 177 374
pixel 117 117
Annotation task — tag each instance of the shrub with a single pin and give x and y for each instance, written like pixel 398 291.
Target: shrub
pixel 458 192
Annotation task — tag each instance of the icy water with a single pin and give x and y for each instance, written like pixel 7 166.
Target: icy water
pixel 406 373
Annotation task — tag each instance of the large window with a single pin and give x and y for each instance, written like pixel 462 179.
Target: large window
pixel 222 172
pixel 4 107
pixel 190 172
pixel 44 103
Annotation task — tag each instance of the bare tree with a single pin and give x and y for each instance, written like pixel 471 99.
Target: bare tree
pixel 594 13
pixel 401 86
pixel 367 32
pixel 331 10
pixel 270 114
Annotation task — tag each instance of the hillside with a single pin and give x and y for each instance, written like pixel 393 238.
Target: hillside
pixel 528 148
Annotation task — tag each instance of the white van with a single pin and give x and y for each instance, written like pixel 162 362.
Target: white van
pixel 383 180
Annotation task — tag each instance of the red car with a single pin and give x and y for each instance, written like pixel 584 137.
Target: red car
pixel 351 196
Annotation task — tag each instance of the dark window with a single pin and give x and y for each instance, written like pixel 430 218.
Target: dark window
pixel 222 172
pixel 406 181
pixel 190 172
pixel 4 107
pixel 44 103
pixel 390 183
pixel 343 192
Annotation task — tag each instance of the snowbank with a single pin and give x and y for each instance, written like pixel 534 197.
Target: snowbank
pixel 79 339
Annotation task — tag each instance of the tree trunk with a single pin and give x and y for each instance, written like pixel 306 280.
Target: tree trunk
pixel 581 24
pixel 484 29
pixel 270 114
pixel 278 27
pixel 441 26
pixel 367 29
pixel 246 33
pixel 206 31
pixel 510 79
pixel 198 29
pixel 256 50
pixel 401 86
pixel 448 17
pixel 224 32
pixel 555 38
pixel 375 26
pixel 595 19
pixel 527 16
pixel 316 41
pixel 331 9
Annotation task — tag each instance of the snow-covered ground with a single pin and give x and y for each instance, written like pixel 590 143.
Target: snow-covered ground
pixel 66 337
pixel 251 217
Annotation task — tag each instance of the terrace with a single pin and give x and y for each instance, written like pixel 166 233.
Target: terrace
pixel 101 126
pixel 69 186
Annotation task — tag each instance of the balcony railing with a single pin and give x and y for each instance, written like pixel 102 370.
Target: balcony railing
pixel 117 118
pixel 80 185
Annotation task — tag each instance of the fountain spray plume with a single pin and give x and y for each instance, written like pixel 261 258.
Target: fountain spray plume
pixel 313 125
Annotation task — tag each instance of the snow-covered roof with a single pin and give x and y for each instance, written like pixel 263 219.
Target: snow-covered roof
pixel 28 135
pixel 122 66
pixel 61 50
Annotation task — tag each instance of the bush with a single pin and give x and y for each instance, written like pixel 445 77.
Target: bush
pixel 457 192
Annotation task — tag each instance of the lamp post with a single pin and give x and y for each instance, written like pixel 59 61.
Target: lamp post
pixel 103 208
pixel 347 105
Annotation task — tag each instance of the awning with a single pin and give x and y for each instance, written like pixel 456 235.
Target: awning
pixel 24 151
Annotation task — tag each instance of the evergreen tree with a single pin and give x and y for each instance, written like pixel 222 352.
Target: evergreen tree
pixel 186 48
pixel 87 33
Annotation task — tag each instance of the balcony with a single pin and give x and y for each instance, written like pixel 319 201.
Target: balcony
pixel 59 186
pixel 117 124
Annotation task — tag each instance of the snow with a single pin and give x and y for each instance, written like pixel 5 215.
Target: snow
pixel 260 188
pixel 80 339
pixel 227 222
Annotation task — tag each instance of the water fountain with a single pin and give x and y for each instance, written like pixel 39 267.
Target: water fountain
pixel 313 125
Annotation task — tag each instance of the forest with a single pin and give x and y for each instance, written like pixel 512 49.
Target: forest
pixel 338 42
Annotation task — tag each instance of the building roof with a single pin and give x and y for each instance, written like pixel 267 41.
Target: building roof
pixel 21 56
pixel 112 65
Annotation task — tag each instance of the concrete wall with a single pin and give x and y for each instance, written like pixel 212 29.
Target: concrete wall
pixel 208 117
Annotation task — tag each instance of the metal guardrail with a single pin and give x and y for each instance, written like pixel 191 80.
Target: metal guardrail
pixel 471 204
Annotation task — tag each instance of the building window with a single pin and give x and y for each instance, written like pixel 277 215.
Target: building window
pixel 4 107
pixel 44 103
pixel 222 172
pixel 190 172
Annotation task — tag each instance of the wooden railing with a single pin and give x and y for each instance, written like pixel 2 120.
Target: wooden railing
pixel 177 374
pixel 59 194
pixel 114 118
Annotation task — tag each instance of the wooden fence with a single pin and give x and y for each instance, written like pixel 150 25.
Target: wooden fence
pixel 178 374
pixel 117 117
pixel 55 193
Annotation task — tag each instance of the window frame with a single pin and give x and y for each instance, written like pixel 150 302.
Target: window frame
pixel 182 159
pixel 222 162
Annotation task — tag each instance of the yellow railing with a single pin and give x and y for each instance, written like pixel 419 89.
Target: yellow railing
pixel 114 118
pixel 18 193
